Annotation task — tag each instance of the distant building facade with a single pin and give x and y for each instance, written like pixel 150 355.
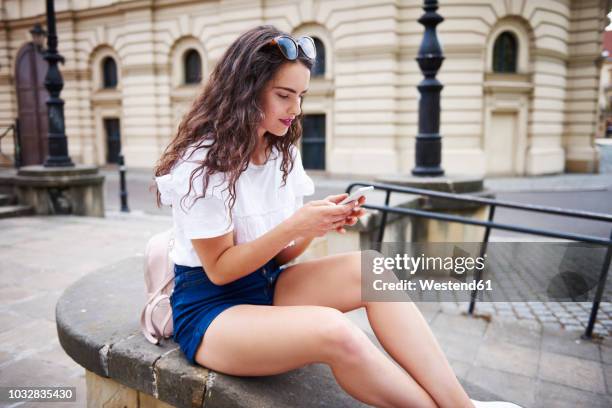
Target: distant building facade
pixel 521 79
pixel 605 88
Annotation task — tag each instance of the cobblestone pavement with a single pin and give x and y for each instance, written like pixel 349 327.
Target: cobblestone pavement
pixel 520 289
pixel 572 316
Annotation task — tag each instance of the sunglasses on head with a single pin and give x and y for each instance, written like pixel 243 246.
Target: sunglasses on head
pixel 289 46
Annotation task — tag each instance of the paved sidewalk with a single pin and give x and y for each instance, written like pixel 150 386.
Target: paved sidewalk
pixel 520 361
pixel 39 258
pixel 558 182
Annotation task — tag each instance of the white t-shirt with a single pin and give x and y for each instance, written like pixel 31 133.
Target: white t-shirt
pixel 261 203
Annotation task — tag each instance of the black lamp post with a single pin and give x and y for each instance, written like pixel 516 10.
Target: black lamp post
pixel 428 141
pixel 58 144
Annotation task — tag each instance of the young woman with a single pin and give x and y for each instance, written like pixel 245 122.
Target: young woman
pixel 236 183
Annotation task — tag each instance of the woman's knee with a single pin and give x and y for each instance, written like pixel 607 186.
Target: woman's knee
pixel 341 339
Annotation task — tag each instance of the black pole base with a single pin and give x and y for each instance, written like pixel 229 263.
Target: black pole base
pixel 428 154
pixel 58 161
pixel 422 171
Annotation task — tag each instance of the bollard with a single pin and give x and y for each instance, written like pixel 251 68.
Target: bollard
pixel 123 190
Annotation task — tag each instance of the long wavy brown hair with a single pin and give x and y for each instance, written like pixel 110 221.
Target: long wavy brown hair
pixel 225 115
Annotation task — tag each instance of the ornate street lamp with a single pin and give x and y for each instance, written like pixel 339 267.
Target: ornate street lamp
pixel 58 186
pixel 58 144
pixel 428 147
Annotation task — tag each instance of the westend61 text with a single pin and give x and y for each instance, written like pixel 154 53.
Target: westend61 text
pixel 430 284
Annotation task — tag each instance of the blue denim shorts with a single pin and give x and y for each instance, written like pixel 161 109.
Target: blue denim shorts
pixel 196 301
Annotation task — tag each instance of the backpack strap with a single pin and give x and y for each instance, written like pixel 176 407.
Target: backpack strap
pixel 161 287
pixel 146 324
pixel 166 320
pixel 146 318
pixel 159 334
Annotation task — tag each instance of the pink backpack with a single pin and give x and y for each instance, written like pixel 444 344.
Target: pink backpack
pixel 156 316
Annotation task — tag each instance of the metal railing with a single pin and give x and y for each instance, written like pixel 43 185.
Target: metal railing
pixel 492 204
pixel 14 128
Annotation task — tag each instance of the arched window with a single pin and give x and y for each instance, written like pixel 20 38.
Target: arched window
pixel 319 67
pixel 505 53
pixel 193 67
pixel 109 68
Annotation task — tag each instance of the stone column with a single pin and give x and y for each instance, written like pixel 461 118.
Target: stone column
pixel 139 120
pixel 583 71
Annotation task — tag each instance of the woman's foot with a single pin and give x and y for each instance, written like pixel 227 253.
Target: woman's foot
pixel 493 404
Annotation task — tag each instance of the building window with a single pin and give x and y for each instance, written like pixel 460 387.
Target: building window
pixel 505 53
pixel 319 66
pixel 193 67
pixel 313 142
pixel 109 68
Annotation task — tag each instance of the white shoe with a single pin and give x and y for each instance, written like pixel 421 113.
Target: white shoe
pixel 494 404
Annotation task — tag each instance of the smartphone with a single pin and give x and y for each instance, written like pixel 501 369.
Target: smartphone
pixel 355 195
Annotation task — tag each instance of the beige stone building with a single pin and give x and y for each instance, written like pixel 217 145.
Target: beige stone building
pixel 605 90
pixel 520 78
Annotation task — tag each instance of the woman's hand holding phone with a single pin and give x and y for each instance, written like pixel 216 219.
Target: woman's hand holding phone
pixel 356 211
pixel 318 217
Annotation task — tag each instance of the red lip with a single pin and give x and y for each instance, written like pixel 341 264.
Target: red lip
pixel 286 122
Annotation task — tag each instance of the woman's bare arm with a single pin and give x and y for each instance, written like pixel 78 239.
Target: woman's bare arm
pixel 301 244
pixel 225 262
pixel 290 253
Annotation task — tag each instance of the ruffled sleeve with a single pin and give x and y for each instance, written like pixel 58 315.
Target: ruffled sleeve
pixel 204 217
pixel 181 176
pixel 165 188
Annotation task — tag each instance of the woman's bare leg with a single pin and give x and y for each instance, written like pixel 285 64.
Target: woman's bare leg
pixel 404 333
pixel 282 338
pixel 335 281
